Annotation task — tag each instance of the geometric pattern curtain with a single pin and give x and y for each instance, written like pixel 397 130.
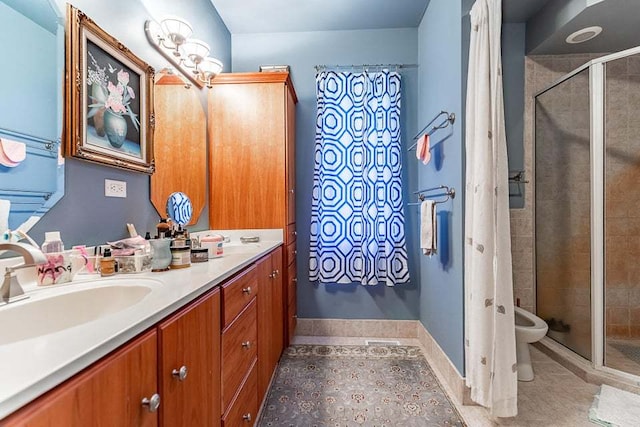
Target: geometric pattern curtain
pixel 357 219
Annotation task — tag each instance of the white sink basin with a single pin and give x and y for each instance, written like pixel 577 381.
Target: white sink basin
pixel 35 317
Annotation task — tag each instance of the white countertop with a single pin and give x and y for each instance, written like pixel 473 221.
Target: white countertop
pixel 30 367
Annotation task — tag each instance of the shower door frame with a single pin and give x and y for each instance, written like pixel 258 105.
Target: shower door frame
pixel 597 97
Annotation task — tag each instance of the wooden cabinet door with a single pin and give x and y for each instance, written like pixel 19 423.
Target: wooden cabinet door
pixel 189 368
pixel 265 324
pixel 246 155
pixel 270 317
pixel 108 393
pixel 291 156
pixel 279 303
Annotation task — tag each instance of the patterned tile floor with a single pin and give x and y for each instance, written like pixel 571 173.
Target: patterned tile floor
pixel 556 398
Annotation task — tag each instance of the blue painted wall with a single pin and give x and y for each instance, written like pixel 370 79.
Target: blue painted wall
pixel 84 215
pixel 302 51
pixel 513 46
pixel 441 75
pixel 28 93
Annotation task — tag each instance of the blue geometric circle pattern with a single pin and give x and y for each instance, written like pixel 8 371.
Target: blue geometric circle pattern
pixel 357 221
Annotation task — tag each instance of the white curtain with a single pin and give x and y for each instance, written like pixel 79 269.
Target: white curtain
pixel 490 347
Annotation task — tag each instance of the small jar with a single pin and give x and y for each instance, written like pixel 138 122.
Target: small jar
pixel 180 257
pixel 199 255
pixel 107 264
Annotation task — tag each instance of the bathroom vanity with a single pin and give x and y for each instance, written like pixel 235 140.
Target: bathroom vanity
pixel 197 346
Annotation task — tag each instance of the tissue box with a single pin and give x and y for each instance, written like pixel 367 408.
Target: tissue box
pixel 133 263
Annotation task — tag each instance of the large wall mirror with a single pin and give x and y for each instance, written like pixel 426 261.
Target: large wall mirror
pixel 180 144
pixel 31 83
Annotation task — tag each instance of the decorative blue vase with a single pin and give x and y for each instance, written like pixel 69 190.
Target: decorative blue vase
pixel 115 127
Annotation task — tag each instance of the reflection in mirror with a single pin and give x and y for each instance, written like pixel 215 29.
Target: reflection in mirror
pixel 180 140
pixel 179 208
pixel 31 81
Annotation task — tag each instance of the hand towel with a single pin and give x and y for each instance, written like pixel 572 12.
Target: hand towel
pixel 428 227
pixel 423 150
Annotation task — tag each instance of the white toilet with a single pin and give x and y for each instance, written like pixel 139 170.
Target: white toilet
pixel 529 328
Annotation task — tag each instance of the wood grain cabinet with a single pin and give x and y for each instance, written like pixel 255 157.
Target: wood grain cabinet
pixel 109 393
pixel 189 365
pixel 240 348
pixel 207 364
pixel 252 160
pixel 270 317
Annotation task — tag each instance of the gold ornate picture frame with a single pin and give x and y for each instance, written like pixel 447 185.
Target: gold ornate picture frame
pixel 109 115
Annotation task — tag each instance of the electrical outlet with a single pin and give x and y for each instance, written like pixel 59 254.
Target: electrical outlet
pixel 115 188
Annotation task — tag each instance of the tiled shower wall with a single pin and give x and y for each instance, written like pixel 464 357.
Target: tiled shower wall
pixel 622 194
pixel 622 198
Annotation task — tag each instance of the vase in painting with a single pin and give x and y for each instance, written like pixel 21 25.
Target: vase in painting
pixel 115 127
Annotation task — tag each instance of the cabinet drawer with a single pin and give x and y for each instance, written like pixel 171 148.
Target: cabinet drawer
pixel 237 293
pixel 244 409
pixel 291 235
pixel 291 253
pixel 239 350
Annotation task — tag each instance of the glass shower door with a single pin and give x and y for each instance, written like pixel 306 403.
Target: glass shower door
pixel 562 212
pixel 622 215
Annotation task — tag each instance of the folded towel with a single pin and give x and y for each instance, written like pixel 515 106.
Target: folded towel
pixel 423 150
pixel 428 227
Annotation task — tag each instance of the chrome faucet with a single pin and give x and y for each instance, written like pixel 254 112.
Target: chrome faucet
pixel 11 291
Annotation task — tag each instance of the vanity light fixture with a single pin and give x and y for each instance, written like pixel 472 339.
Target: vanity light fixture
pixel 172 38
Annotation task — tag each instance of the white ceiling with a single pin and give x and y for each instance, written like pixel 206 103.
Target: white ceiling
pixel 260 16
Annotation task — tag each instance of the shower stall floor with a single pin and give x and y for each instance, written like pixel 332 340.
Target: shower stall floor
pixel 623 355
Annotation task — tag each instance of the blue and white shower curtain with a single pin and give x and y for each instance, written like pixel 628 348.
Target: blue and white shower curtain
pixel 357 219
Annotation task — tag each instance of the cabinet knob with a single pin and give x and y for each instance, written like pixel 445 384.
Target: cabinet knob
pixel 276 273
pixel 294 233
pixel 295 252
pixel 247 417
pixel 272 275
pixel 292 191
pixel 152 404
pixel 180 374
pixel 295 316
pixel 246 344
pixel 247 290
pixel 294 280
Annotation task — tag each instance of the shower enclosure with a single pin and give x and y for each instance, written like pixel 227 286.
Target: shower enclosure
pixel 587 211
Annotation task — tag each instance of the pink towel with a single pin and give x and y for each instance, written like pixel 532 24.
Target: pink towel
pixel 423 151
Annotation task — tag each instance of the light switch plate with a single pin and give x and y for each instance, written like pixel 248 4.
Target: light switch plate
pixel 115 188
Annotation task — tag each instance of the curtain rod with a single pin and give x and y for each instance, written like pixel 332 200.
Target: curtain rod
pixel 363 66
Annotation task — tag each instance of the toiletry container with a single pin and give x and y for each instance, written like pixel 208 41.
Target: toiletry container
pixel 160 254
pixel 58 268
pixel 180 257
pixel 52 242
pixel 107 264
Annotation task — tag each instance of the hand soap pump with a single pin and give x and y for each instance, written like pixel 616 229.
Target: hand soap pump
pixel 52 242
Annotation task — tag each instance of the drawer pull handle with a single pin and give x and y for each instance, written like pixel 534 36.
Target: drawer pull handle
pixel 180 374
pixel 152 404
pixel 247 290
pixel 247 417
pixel 246 344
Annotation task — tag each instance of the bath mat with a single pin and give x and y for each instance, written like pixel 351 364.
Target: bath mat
pixel 632 351
pixel 327 385
pixel 613 407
